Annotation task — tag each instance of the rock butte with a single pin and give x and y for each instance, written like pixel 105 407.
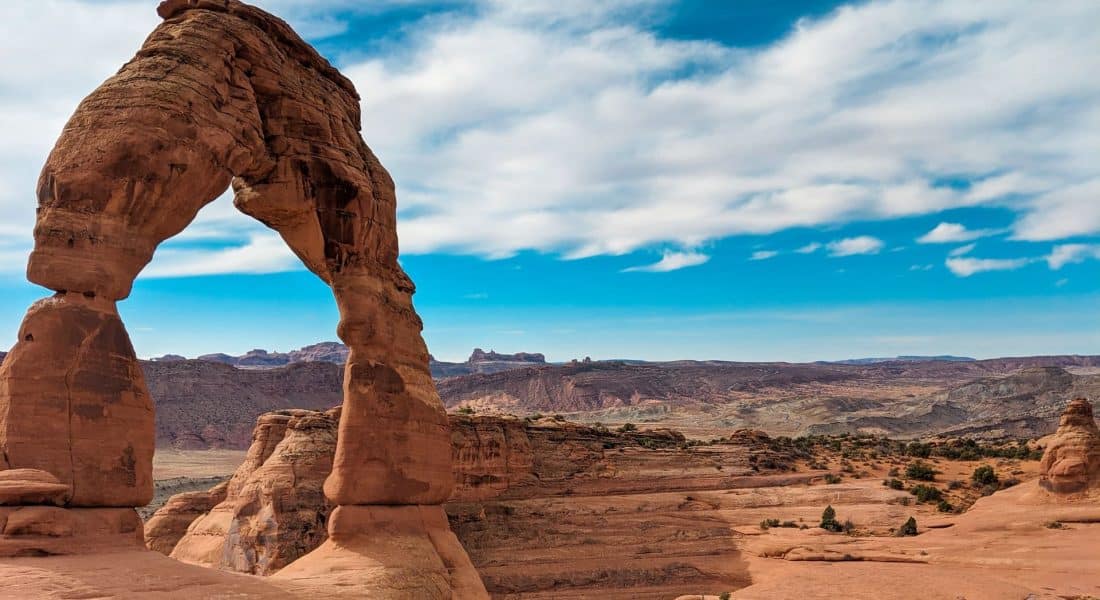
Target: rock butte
pixel 222 94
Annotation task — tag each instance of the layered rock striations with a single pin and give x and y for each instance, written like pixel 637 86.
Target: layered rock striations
pixel 223 93
pixel 1071 461
pixel 520 490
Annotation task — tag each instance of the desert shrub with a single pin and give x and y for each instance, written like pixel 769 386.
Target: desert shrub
pixel 908 529
pixel 919 450
pixel 832 478
pixel 894 472
pixel 828 520
pixel 985 475
pixel 769 523
pixel 848 526
pixel 926 493
pixel 466 410
pixel 944 506
pixel 920 471
pixel 1007 483
pixel 955 484
pixel 904 501
pixel 558 418
pixel 627 428
pixel 788 524
pixel 894 484
pixel 1055 525
pixel 724 596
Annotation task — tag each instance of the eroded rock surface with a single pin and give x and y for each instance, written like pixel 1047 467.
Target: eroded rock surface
pixel 518 501
pixel 1071 462
pixel 220 93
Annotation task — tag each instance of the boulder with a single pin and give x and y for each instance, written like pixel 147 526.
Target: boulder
pixel 31 486
pixel 1071 462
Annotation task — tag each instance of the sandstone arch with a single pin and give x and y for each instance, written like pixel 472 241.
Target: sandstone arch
pixel 220 93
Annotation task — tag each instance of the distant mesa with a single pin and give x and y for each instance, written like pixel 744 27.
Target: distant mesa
pixel 903 358
pixel 479 356
pixel 480 361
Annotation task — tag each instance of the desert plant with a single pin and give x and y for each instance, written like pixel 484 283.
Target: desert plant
pixel 984 475
pixel 894 484
pixel 627 428
pixel 926 493
pixel 832 478
pixel 944 506
pixel 908 529
pixel 920 471
pixel 724 596
pixel 466 410
pixel 828 520
pixel 769 523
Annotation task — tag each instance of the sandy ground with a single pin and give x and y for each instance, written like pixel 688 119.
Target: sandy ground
pixel 168 464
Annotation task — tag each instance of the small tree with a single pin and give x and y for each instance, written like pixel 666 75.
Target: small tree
pixel 828 520
pixel 984 475
pixel 909 528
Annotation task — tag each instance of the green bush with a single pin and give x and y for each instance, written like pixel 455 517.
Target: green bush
pixel 985 475
pixel 828 520
pixel 627 428
pixel 769 523
pixel 945 506
pixel 831 478
pixel 908 529
pixel 894 484
pixel 466 410
pixel 920 471
pixel 926 493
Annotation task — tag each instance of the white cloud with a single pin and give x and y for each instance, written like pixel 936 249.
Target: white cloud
pixel 945 233
pixel 1065 254
pixel 962 250
pixel 568 127
pixel 809 248
pixel 763 255
pixel 921 267
pixel 671 261
pixel 263 253
pixel 1066 212
pixel 965 267
pixel 864 244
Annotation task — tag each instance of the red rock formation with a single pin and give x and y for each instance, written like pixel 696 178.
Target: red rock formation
pixel 1071 462
pixel 165 528
pixel 273 511
pixel 220 93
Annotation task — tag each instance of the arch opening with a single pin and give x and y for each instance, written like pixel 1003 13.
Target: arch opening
pixel 221 94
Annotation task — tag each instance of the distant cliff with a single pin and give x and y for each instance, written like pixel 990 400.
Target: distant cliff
pixel 480 361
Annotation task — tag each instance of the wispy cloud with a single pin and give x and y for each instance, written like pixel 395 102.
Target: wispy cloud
pixel 671 261
pixel 263 253
pixel 962 250
pixel 809 248
pixel 1065 254
pixel 921 267
pixel 965 267
pixel 864 244
pixel 945 233
pixel 763 255
pixel 617 139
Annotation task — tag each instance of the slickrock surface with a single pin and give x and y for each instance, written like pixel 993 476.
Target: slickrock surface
pixel 1071 462
pixel 551 509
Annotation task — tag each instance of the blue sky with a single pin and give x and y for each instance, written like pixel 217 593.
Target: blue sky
pixel 649 179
